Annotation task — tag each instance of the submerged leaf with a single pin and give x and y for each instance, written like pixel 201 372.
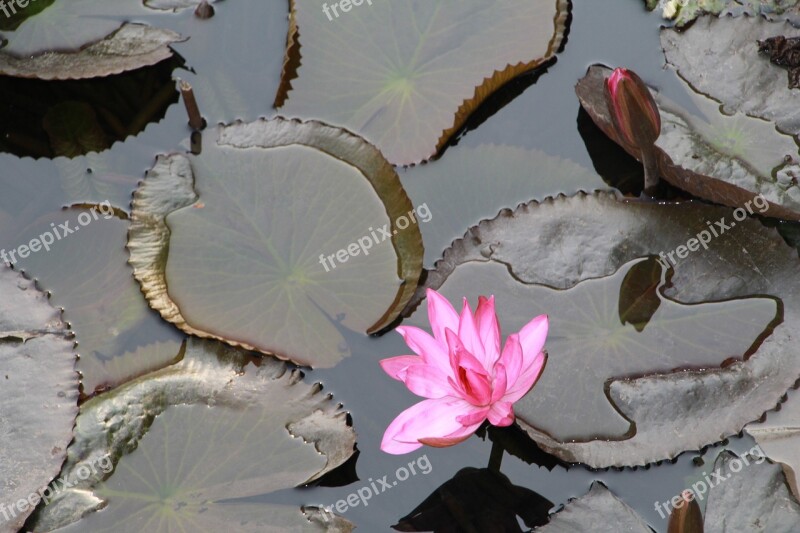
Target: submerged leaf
pixel 729 160
pixel 287 218
pixel 38 395
pixel 130 47
pixel 407 75
pixel 564 242
pixel 190 441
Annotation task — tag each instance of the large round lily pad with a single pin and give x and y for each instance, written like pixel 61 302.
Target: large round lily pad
pixel 408 74
pixel 566 243
pixel 269 255
pixel 190 441
pixel 38 395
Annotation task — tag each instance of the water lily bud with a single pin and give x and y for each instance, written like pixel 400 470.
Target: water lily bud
pixel 633 110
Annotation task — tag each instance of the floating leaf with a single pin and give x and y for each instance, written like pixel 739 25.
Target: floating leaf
pixel 779 437
pixel 756 499
pixel 413 72
pixel 130 47
pixel 687 518
pixel 38 395
pixel 589 344
pixel 172 5
pixel 564 242
pixel 639 298
pixel 729 160
pixel 189 442
pixel 472 184
pixel 598 511
pixel 277 198
pixel 685 11
pixel 102 301
pixel 744 81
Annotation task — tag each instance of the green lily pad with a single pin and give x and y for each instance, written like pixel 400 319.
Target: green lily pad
pixel 472 184
pixel 744 81
pixel 576 243
pixel 102 301
pixel 407 75
pixel 189 442
pixel 14 15
pixel 725 159
pixel 590 342
pixel 122 48
pixel 278 200
pixel 38 395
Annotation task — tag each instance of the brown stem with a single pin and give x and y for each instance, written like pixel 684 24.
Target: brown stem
pixel 196 121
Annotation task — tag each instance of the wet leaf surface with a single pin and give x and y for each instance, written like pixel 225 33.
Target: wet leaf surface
pixel 257 178
pixel 685 11
pixel 598 511
pixel 471 184
pixel 744 81
pixel 129 47
pixel 414 71
pixel 189 442
pixel 39 387
pixel 541 244
pixel 728 160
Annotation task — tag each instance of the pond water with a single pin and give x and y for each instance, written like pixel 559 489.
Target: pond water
pixel 242 56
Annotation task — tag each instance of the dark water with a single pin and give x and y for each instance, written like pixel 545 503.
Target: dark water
pixel 545 117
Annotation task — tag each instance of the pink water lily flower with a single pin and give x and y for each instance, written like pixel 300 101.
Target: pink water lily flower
pixel 462 373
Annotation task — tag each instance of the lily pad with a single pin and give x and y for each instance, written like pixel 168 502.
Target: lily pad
pixel 744 81
pixel 279 200
pixel 102 301
pixel 472 184
pixel 38 395
pixel 598 511
pixel 407 75
pixel 728 160
pixel 756 499
pixel 685 11
pixel 129 47
pixel 590 342
pixel 568 242
pixel 191 441
pixel 779 437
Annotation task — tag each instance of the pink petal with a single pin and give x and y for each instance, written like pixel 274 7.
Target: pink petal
pixel 460 356
pixel 429 419
pixel 429 382
pixel 488 328
pixel 526 380
pixel 501 414
pixel 429 349
pixel 512 359
pixel 441 315
pixel 468 333
pixel 396 367
pixel 532 337
pixel 475 418
pixel 500 384
pixel 477 388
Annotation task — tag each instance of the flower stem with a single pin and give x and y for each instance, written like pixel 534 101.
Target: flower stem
pixel 496 457
pixel 651 177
